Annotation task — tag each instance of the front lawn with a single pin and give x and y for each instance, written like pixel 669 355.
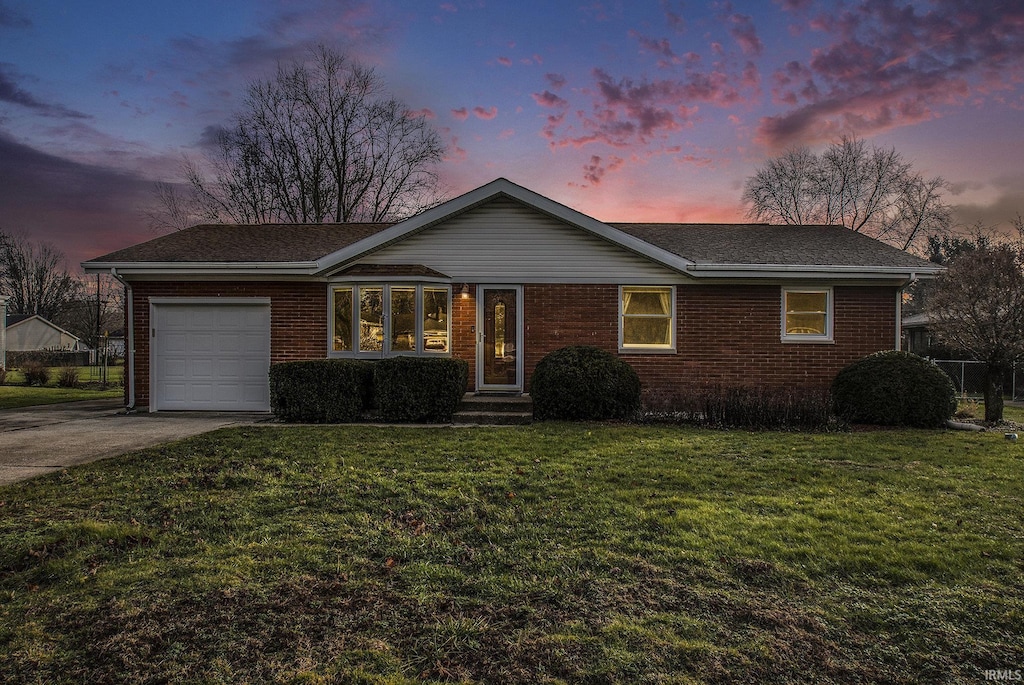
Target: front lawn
pixel 15 394
pixel 554 553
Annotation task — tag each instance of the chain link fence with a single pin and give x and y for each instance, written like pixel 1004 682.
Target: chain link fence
pixel 969 378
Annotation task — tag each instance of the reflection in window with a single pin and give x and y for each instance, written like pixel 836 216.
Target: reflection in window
pixel 390 319
pixel 435 320
pixel 342 320
pixel 403 319
pixel 371 319
pixel 499 330
pixel 647 317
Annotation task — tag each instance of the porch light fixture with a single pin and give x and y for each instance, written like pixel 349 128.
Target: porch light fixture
pixel 465 291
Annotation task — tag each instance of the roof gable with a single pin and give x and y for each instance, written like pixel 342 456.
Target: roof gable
pixel 691 250
pixel 501 188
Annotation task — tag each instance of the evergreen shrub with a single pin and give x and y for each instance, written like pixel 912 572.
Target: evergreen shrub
pixel 583 383
pixel 419 389
pixel 321 390
pixel 894 389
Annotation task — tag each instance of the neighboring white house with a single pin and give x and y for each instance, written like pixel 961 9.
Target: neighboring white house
pixel 30 332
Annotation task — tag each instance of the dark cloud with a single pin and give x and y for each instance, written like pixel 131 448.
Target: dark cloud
pixel 11 19
pixel 673 17
pixel 13 93
pixel 892 64
pixel 549 99
pixel 85 210
pixel 741 28
pixel 595 169
pixel 556 80
pixel 210 138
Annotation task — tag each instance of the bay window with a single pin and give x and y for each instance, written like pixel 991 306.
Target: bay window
pixel 375 320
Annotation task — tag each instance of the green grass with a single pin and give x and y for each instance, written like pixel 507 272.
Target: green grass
pixel 554 553
pixel 14 394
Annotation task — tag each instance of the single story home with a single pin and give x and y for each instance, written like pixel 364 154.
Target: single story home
pixel 32 332
pixel 500 277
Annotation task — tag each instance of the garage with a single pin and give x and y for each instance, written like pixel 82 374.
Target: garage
pixel 210 354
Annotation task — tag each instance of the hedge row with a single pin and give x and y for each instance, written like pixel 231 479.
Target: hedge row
pixel 413 389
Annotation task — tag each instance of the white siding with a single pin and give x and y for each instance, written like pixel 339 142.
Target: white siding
pixel 33 334
pixel 506 242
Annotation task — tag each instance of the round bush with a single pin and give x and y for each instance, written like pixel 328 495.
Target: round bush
pixel 584 383
pixel 894 389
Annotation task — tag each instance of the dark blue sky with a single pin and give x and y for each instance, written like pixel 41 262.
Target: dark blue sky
pixel 624 110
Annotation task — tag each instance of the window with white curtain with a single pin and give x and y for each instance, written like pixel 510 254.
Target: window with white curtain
pixel 647 318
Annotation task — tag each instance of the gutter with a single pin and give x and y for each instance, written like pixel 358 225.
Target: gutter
pixel 129 337
pixel 204 268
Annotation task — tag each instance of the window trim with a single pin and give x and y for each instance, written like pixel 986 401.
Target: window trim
pixel 673 322
pixel 385 351
pixel 828 336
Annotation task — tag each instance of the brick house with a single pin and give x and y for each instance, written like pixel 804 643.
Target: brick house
pixel 499 277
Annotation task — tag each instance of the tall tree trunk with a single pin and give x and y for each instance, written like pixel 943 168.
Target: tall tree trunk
pixel 993 393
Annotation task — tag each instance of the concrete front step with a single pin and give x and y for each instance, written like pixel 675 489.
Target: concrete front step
pixel 502 410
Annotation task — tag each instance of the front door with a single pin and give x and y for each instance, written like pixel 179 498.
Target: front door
pixel 499 345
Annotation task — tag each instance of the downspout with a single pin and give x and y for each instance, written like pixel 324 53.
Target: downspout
pixel 899 310
pixel 129 337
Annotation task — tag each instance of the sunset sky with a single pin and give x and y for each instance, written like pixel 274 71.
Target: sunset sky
pixel 636 110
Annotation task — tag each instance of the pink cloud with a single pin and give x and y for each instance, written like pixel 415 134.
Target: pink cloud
pixel 504 61
pixel 448 7
pixel 461 114
pixel 556 80
pixel 426 113
pixel 595 169
pixel 743 32
pixel 549 99
pixel 889 65
pixel 485 114
pixel 506 134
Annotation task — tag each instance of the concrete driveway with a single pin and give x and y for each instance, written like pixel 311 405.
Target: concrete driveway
pixel 38 440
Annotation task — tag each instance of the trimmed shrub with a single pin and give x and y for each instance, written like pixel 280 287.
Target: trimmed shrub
pixel 68 377
pixel 321 390
pixel 894 389
pixel 583 383
pixel 419 389
pixel 35 373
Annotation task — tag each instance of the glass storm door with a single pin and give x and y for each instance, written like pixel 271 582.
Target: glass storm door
pixel 498 347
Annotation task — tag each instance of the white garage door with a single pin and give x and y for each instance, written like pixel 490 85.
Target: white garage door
pixel 211 356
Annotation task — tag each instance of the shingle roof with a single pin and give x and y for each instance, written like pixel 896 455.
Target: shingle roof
pixel 16 318
pixel 771 244
pixel 246 243
pixel 752 244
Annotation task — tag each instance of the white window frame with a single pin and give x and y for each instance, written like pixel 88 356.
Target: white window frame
pixel 827 336
pixel 648 349
pixel 385 351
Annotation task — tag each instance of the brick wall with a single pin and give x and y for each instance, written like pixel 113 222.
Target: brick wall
pixel 298 318
pixel 725 335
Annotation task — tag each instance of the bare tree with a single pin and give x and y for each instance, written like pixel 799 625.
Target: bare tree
pixel 34 277
pixel 319 142
pixel 869 190
pixel 96 312
pixel 978 305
